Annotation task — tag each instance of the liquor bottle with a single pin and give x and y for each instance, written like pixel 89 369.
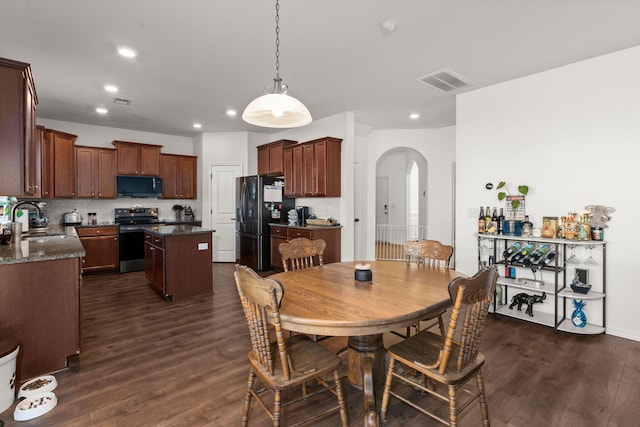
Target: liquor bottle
pixel 548 259
pixel 515 247
pixel 494 221
pixel 500 220
pixel 537 255
pixel 481 221
pixel 523 253
pixel 527 227
pixel 487 219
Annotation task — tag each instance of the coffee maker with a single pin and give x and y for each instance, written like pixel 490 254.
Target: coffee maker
pixel 303 214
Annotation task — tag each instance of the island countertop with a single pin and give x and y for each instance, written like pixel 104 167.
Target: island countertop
pixel 177 230
pixel 56 242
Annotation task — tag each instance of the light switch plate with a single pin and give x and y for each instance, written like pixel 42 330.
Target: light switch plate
pixel 203 246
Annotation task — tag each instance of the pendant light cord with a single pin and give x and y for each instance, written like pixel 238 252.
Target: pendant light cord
pixel 277 39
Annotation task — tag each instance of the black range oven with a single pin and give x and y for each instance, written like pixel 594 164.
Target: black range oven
pixel 133 222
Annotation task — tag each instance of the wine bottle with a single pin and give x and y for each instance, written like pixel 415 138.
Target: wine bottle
pixel 500 220
pixel 481 221
pixel 487 220
pixel 537 255
pixel 548 259
pixel 494 221
pixel 515 247
pixel 523 253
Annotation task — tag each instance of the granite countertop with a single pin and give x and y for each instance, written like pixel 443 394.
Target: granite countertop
pixel 45 244
pixel 177 230
pixel 102 224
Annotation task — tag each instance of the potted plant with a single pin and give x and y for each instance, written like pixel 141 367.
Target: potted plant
pixel 512 225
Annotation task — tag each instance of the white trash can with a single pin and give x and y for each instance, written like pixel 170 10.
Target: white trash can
pixel 8 354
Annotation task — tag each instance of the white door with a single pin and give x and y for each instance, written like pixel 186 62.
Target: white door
pixel 382 200
pixel 223 211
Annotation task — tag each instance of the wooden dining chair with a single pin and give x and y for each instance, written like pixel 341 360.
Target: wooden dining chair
pixel 449 361
pixel 301 252
pixel 433 254
pixel 285 363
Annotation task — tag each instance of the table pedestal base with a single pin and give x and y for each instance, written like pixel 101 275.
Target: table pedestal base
pixel 366 371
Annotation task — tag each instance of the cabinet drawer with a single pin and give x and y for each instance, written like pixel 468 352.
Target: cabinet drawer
pixel 154 240
pixel 296 232
pixel 279 231
pixel 97 231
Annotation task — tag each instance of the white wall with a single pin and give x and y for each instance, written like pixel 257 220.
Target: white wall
pixel 437 146
pixel 571 134
pixel 101 136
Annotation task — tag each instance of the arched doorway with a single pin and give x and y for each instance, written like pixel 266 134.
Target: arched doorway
pixel 401 207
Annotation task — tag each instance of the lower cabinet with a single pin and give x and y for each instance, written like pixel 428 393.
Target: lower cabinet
pixel 101 247
pixel 284 233
pixel 178 266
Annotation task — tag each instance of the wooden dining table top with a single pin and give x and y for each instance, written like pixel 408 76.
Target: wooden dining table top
pixel 327 300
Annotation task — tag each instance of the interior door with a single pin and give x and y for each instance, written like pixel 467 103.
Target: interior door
pixel 223 211
pixel 382 200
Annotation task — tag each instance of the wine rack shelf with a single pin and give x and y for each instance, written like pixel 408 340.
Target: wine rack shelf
pixel 553 280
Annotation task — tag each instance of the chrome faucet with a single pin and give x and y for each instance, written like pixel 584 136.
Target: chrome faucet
pixel 25 202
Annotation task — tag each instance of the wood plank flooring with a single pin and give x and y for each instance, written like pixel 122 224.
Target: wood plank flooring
pixel 148 362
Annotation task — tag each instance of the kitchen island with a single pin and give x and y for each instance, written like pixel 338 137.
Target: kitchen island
pixel 178 260
pixel 40 298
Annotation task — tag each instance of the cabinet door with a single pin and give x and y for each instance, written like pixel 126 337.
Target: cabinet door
pixel 187 177
pixel 170 166
pixel 11 129
pixel 149 160
pixel 85 172
pixel 31 145
pixel 263 160
pixel 278 235
pixel 287 167
pixel 128 158
pixel 298 172
pixel 106 174
pixel 101 253
pixel 47 164
pixel 64 164
pixel 309 179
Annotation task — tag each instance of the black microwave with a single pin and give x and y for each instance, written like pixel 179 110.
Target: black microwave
pixel 139 186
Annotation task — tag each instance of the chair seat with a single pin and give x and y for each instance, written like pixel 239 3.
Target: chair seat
pixel 424 348
pixel 305 353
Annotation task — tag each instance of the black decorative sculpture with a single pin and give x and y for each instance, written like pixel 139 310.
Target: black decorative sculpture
pixel 527 299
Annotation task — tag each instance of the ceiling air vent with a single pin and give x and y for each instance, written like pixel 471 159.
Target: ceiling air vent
pixel 444 80
pixel 121 101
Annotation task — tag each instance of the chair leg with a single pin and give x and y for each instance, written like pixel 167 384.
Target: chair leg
pixel 385 393
pixel 277 407
pixel 247 398
pixel 484 408
pixel 453 412
pixel 340 394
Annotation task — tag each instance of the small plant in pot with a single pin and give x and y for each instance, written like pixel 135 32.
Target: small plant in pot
pixel 511 227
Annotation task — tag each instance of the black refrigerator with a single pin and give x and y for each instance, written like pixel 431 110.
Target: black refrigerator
pixel 259 201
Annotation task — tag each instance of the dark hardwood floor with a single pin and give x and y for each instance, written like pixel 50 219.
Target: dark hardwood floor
pixel 147 362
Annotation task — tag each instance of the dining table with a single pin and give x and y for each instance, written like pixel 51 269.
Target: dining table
pixel 328 300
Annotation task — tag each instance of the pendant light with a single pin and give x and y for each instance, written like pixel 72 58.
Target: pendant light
pixel 276 109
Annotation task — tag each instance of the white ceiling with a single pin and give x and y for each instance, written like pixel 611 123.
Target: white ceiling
pixel 197 58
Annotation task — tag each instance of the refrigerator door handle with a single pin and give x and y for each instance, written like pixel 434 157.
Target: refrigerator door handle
pixel 243 202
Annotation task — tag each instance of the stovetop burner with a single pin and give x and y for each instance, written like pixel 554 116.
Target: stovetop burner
pixel 136 216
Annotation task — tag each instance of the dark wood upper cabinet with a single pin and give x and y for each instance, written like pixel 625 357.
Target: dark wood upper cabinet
pixel 313 168
pixel 179 176
pixel 271 157
pixel 95 172
pixel 58 155
pixel 137 159
pixel 18 149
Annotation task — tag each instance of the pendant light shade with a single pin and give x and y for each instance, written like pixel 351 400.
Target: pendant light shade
pixel 276 109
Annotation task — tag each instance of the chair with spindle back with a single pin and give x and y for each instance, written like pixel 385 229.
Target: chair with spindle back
pixel 285 363
pixel 301 252
pixel 452 360
pixel 431 254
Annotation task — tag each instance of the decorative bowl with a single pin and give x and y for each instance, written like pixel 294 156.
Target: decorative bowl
pixel 581 288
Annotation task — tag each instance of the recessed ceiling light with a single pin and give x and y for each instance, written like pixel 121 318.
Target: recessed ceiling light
pixel 127 52
pixel 197 125
pixel 232 113
pixel 101 110
pixel 414 116
pixel 110 88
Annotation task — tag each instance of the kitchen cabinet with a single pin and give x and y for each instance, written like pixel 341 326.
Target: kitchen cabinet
pixel 179 176
pixel 19 149
pixel 137 159
pixel 58 164
pixel 281 233
pixel 552 282
pixel 271 157
pixel 95 173
pixel 101 247
pixel 178 261
pixel 313 168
